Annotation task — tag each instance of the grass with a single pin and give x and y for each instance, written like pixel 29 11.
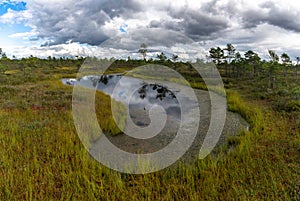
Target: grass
pixel 11 72
pixel 106 119
pixel 94 119
pixel 251 114
pixel 42 157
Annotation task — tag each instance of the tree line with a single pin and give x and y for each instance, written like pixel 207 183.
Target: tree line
pixel 26 64
pixel 231 63
pixel 251 65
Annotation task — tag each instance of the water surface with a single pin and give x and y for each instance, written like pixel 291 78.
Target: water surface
pixel 140 96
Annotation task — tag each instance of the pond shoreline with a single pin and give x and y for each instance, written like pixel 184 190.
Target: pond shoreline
pixel 234 125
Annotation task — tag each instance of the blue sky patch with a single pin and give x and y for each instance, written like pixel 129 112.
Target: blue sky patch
pixel 7 30
pixel 123 28
pixel 17 6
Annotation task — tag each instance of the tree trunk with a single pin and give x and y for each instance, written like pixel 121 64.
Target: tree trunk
pixel 297 73
pixel 285 70
pixel 271 80
pixel 23 69
pixel 239 72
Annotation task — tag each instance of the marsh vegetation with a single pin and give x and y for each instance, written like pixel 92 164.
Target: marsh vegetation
pixel 42 157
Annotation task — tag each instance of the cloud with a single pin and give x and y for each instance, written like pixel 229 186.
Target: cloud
pixel 167 25
pixel 195 24
pixel 93 22
pixel 78 21
pixel 65 50
pixel 15 17
pixel 25 35
pixel 273 14
pixel 150 36
pixel 13 5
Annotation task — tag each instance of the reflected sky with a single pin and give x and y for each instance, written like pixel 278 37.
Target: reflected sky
pixel 138 93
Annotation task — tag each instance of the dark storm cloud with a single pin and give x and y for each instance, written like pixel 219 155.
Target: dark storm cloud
pixel 157 25
pixel 112 8
pixel 79 22
pixel 84 22
pixel 271 14
pixel 195 24
pixel 149 36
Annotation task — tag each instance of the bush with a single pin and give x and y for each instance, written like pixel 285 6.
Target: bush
pixel 287 105
pixel 296 93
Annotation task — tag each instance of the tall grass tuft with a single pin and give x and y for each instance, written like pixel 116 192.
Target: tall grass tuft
pixel 250 113
pixel 110 123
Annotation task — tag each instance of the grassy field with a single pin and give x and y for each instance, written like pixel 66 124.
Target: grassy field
pixel 42 157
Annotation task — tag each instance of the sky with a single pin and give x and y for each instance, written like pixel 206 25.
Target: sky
pixel 117 28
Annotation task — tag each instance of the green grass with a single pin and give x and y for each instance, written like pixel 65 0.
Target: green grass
pixel 42 157
pixel 105 117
